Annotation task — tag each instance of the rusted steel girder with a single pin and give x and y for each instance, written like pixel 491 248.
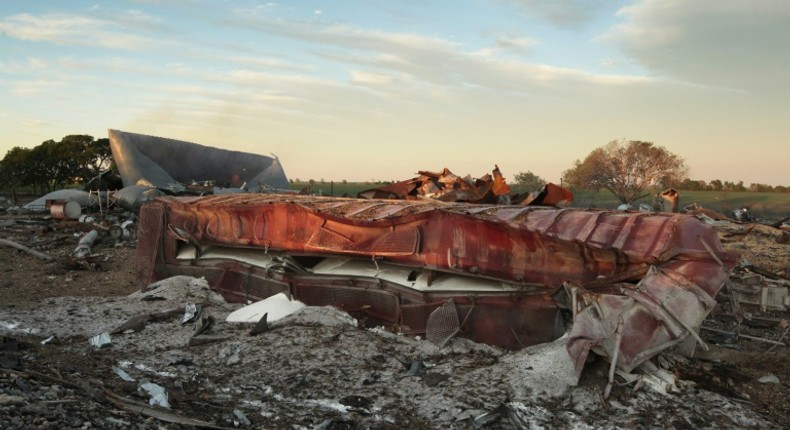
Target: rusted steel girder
pixel 675 261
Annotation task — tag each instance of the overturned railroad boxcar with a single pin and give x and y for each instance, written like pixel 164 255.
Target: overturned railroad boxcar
pixel 638 283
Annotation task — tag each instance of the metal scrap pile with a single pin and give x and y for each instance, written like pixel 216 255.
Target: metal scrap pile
pixel 448 187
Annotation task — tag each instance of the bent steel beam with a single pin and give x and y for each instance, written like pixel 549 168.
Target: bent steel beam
pixel 658 271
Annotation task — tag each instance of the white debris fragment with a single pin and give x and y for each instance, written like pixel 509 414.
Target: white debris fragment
pixel 100 340
pixel 769 379
pixel 122 374
pixel 242 419
pixel 157 393
pixel 276 306
pixel 47 340
pixel 190 313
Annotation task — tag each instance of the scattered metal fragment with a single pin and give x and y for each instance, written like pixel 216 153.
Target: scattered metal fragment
pixel 755 289
pixel 505 410
pixel 65 209
pixel 413 368
pixel 205 325
pixel 122 374
pixel 261 327
pixel 100 340
pixel 191 312
pixel 159 414
pixel 123 231
pixel 21 247
pixel 242 419
pixel 83 248
pixel 158 394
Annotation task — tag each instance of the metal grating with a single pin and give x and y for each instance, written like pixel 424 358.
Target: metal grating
pixel 443 324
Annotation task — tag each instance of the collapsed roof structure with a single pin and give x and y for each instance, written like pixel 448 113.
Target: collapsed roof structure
pixel 637 283
pixel 168 163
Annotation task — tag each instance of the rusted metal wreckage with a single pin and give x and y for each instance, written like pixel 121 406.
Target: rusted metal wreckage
pixel 448 187
pixel 638 283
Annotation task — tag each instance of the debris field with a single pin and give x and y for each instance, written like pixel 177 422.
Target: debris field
pixel 322 368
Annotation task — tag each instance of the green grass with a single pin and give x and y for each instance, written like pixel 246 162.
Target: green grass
pixel 762 205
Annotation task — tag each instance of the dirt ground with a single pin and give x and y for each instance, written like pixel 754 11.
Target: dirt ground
pixel 317 369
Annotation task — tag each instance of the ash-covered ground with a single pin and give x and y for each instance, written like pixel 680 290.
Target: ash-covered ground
pixel 317 369
pixel 313 369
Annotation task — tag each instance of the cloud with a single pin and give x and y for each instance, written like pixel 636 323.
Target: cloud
pixel 509 44
pixel 725 43
pixel 566 14
pixel 431 61
pixel 33 87
pixel 369 78
pixel 70 29
pixel 30 65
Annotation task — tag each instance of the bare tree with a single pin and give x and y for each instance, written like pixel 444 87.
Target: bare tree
pixel 628 169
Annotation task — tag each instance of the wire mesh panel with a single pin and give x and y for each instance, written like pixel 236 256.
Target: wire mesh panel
pixel 443 324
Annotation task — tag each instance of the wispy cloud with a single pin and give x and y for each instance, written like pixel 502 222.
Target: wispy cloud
pixel 33 87
pixel 71 29
pixel 435 61
pixel 562 13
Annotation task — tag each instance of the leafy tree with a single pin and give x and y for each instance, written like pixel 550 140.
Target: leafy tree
pixel 715 185
pixel 692 185
pixel 528 181
pixel 628 169
pixel 761 188
pixel 75 158
pixel 15 167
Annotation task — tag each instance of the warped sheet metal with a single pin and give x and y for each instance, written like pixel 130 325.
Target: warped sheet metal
pixel 659 272
pixel 168 163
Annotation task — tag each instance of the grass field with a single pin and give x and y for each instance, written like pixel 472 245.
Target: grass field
pixel 762 205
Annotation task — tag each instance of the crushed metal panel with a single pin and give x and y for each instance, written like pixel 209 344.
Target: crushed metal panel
pixel 671 265
pixel 165 163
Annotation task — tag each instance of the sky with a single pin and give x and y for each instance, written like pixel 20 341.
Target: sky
pixel 374 89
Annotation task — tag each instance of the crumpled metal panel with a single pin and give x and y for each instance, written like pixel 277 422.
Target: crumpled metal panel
pixel 659 272
pixel 161 162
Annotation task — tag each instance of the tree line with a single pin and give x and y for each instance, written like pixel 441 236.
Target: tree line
pixel 630 170
pixel 52 165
